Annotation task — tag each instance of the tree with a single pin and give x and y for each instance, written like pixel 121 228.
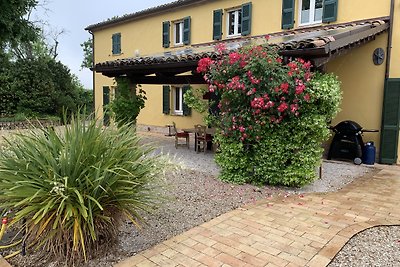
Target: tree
pixel 14 26
pixel 87 47
pixel 32 81
pixel 39 86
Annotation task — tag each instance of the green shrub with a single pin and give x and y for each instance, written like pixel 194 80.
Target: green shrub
pixel 127 103
pixel 273 115
pixel 74 186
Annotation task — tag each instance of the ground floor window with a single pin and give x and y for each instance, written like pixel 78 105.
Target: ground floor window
pixel 173 100
pixel 178 100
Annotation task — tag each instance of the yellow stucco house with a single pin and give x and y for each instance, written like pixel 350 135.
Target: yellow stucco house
pixel 358 40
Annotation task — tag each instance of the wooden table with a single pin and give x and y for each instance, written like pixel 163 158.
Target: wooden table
pixel 210 131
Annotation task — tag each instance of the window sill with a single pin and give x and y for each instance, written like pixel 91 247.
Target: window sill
pixel 179 45
pixel 310 24
pixel 177 113
pixel 116 55
pixel 235 36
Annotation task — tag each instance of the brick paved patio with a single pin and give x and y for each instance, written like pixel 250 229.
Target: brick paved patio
pixel 298 230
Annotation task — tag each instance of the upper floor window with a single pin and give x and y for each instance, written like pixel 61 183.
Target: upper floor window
pixel 311 11
pixel 234 22
pixel 116 43
pixel 178 32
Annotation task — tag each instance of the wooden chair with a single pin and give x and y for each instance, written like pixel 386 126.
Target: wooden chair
pixel 181 135
pixel 202 138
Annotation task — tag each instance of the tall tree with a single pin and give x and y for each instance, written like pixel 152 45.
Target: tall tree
pixel 14 25
pixel 87 47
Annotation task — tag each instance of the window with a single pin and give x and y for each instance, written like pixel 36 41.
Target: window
pixel 116 43
pixel 178 32
pixel 177 94
pixel 311 11
pixel 234 22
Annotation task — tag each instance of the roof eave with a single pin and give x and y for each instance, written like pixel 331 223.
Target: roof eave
pixel 142 14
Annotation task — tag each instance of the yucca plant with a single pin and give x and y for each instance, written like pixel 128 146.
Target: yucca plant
pixel 72 187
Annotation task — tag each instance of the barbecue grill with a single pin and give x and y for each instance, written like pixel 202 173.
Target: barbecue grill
pixel 347 142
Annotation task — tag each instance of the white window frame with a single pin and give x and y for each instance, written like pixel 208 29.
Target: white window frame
pixel 180 24
pixel 311 15
pixel 177 90
pixel 236 32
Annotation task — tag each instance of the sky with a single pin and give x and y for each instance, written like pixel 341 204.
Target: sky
pixel 73 16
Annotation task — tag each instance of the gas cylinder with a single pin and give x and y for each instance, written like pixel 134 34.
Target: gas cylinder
pixel 369 152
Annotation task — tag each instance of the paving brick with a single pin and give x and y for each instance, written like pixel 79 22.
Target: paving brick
pixel 266 248
pixel 185 260
pixel 318 261
pixel 189 242
pixel 208 260
pixel 210 251
pixel 199 247
pixel 185 250
pixel 204 240
pixel 162 260
pixel 250 259
pixel 248 249
pixel 268 258
pixel 169 253
pixel 278 231
pixel 228 259
pixel 145 263
pixel 292 259
pixel 132 261
pixel 226 249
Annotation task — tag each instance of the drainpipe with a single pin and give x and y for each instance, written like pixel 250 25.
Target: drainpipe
pixel 390 37
pixel 94 75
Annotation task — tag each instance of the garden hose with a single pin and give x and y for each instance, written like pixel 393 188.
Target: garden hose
pixel 12 254
pixel 4 222
pixel 11 245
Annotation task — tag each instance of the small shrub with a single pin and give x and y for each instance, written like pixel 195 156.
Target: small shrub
pixel 73 187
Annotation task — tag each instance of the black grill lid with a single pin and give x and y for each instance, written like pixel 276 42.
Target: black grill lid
pixel 347 127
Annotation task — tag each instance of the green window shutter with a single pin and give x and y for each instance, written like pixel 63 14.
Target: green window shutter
pixel 246 19
pixel 217 24
pixel 116 43
pixel 165 37
pixel 166 99
pixel 329 12
pixel 106 101
pixel 186 30
pixel 187 111
pixel 287 14
pixel 390 122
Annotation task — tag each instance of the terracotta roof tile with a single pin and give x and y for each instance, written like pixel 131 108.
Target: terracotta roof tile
pixel 299 39
pixel 139 14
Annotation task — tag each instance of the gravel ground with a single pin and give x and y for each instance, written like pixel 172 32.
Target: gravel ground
pixel 195 195
pixel 374 247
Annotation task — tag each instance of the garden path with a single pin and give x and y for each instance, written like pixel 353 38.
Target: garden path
pixel 296 230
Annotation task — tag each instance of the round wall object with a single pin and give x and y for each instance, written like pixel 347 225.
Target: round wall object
pixel 378 56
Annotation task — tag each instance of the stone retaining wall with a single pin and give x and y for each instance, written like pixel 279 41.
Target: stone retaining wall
pixel 19 125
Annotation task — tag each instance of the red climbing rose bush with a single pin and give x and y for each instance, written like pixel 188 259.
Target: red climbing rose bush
pixel 272 117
